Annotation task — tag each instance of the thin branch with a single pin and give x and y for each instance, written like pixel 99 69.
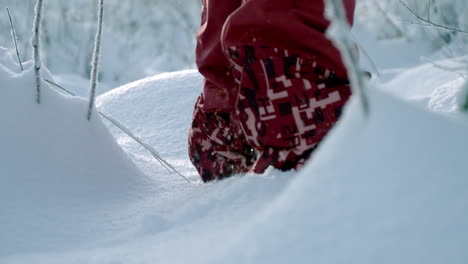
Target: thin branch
pixel 63 89
pixel 430 23
pixel 36 41
pixel 426 24
pixel 345 44
pixel 13 35
pixel 95 61
pixel 369 58
pixel 149 148
pixel 129 133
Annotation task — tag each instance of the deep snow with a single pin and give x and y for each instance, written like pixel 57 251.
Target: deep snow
pixel 54 164
pixel 395 195
pixel 67 211
pixel 389 189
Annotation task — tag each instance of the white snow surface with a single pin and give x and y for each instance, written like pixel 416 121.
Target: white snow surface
pixel 389 188
pixel 54 167
pixel 68 215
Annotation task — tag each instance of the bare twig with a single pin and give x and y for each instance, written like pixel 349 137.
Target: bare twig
pixel 426 24
pixel 149 148
pixel 36 41
pixel 63 89
pixel 430 23
pixel 344 41
pixel 13 36
pixel 129 133
pixel 95 61
pixel 153 152
pixel 369 58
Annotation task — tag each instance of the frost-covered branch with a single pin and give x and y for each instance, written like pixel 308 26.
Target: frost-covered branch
pixel 13 36
pixel 95 60
pixel 369 58
pixel 429 22
pixel 149 148
pixel 129 133
pixel 340 33
pixel 36 41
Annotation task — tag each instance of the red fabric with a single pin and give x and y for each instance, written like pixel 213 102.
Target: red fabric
pixel 274 85
pixel 288 24
pixel 287 103
pixel 219 87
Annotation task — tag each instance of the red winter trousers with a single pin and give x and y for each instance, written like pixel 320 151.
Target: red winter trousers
pixel 274 85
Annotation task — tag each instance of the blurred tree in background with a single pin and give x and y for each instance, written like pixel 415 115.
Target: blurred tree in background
pixel 141 37
pixel 391 19
pixel 146 37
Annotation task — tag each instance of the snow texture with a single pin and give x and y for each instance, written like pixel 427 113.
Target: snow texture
pixel 54 165
pixel 391 189
pixel 387 189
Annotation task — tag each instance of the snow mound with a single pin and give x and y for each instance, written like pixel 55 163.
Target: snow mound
pixel 158 109
pixel 172 215
pixel 390 189
pixel 431 87
pixel 53 165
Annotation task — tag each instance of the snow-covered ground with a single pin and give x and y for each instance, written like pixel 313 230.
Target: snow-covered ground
pixel 389 188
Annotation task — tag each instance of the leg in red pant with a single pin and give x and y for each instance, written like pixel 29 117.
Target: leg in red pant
pixel 270 68
pixel 217 146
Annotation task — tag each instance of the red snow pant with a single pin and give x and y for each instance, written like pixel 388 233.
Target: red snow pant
pixel 271 94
